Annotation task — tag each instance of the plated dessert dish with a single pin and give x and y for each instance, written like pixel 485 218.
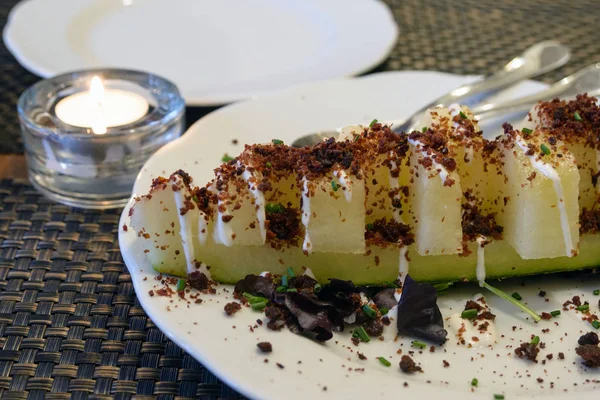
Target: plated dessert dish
pixel 364 232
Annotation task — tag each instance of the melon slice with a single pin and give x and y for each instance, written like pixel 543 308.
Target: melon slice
pixel 333 214
pixel 541 215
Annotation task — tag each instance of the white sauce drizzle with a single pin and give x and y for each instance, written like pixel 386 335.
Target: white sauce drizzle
pixel 443 172
pixel 397 294
pixel 308 272
pixel 307 245
pixel 454 109
pixel 345 183
pixel 403 264
pixel 259 198
pixel 185 229
pixel 264 273
pixel 223 231
pixel 549 172
pixel 480 271
pixel 485 338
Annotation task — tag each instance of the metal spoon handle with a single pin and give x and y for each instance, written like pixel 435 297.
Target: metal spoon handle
pixel 536 60
pixel 586 80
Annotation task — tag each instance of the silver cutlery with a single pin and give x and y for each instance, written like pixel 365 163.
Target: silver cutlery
pixel 536 60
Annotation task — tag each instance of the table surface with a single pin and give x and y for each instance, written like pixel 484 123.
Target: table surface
pixel 70 324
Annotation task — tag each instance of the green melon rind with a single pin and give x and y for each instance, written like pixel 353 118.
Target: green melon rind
pixel 230 264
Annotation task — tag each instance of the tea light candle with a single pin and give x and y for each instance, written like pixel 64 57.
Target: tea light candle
pixel 88 133
pixel 100 108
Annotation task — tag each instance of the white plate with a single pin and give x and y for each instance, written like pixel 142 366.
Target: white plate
pixel 206 333
pixel 215 51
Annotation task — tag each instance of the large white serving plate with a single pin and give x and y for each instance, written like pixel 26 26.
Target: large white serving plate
pixel 226 345
pixel 216 51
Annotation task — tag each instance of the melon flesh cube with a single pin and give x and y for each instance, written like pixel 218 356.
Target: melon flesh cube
pixel 532 216
pixel 435 210
pixel 239 202
pixel 155 220
pixel 336 224
pixel 586 157
pixel 384 181
pixel 286 192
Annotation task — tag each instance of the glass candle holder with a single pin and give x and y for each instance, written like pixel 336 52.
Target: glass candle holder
pixel 86 151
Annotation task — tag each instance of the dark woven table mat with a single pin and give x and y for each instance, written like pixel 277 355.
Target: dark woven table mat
pixel 70 323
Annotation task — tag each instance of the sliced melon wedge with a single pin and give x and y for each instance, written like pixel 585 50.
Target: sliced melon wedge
pixel 368 206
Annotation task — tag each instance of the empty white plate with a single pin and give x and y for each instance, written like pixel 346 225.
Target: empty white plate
pixel 216 51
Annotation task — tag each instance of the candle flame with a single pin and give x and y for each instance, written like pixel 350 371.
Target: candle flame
pixel 97 90
pixel 97 96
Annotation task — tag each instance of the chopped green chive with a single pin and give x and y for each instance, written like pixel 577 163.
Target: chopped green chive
pixel 361 334
pixel 469 314
pixel 419 344
pixel 577 116
pixel 516 296
pixel 527 131
pixel 356 137
pixel 317 287
pixel 424 129
pixel 284 280
pixel 268 164
pixel 226 158
pixel 291 272
pixel 280 289
pixel 369 227
pixel 498 397
pixel 555 313
pixel 474 382
pixel 274 208
pixel 195 198
pixel 384 362
pixel 373 123
pixel 180 285
pixel 293 290
pixel 463 115
pixel 369 311
pixel 535 340
pixel 383 310
pixel 596 292
pixel 258 306
pixel 254 299
pixel 277 141
pixel 334 185
pixel 596 324
pixel 516 302
pixel 545 149
pixel 583 307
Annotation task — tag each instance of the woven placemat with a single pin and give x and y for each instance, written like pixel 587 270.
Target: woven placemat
pixel 466 37
pixel 70 323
